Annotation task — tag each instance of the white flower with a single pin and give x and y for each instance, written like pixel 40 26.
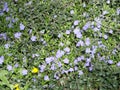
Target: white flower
pixel 33 38
pixel 66 61
pixel 72 12
pixel 76 22
pixel 24 72
pixel 22 27
pixel 1 59
pixel 46 78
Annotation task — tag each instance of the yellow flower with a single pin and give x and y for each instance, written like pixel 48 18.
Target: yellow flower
pixel 17 88
pixel 16 85
pixel 35 70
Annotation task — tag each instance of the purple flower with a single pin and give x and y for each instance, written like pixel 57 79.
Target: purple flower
pixel 22 27
pixel 87 41
pixel 80 72
pixel 80 43
pixel 71 70
pixel 66 61
pixel 61 44
pixel 86 26
pixel 17 35
pixel 118 11
pixel 56 76
pixel 68 31
pixel 5 9
pixel 76 68
pixel 67 49
pixel 9 67
pixel 24 72
pixel 96 29
pixel 42 68
pixel 46 78
pixel 87 64
pixel 8 18
pixel 3 35
pixel 76 22
pixel 16 65
pixel 1 59
pixel 76 30
pixel 79 35
pixel 10 25
pixel 33 38
pixel 111 31
pixel 59 64
pixel 105 37
pixel 7 46
pixel 60 53
pixel 49 60
pixel 90 68
pixel 118 64
pixel 110 61
pixel 53 67
pixel 75 61
pixel 88 50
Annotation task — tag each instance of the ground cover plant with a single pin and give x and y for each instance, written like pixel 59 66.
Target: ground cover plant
pixel 59 45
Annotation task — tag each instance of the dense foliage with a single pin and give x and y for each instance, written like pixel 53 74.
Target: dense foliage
pixel 59 45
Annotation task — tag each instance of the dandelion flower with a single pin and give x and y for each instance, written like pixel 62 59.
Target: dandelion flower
pixel 35 70
pixel 16 86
